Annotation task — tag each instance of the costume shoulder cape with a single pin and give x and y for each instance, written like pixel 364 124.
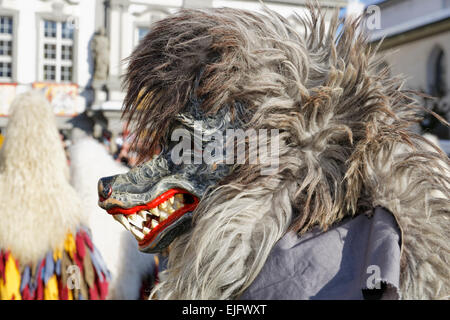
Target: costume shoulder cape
pixel 75 271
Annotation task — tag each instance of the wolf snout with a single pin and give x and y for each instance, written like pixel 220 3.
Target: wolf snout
pixel 105 187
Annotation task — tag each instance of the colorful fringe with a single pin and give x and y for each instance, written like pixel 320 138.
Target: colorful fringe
pixel 74 272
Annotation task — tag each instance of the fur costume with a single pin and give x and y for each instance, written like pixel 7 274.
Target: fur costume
pixel 344 149
pixel 45 251
pixel 89 162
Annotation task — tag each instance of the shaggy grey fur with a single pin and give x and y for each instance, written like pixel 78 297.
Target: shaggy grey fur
pixel 345 146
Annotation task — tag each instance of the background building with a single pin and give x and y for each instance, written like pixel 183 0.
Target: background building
pixel 417 45
pixel 44 44
pixel 74 50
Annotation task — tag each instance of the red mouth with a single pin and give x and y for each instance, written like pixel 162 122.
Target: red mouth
pixel 153 216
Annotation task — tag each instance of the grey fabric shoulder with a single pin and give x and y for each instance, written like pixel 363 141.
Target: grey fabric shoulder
pixel 357 254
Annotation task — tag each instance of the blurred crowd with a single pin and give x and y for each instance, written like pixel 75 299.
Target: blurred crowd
pixel 118 146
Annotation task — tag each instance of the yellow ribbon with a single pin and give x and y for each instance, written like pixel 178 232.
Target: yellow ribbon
pixel 10 285
pixel 69 245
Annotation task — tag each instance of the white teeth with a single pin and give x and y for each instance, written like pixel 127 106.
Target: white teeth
pixel 163 205
pixel 139 225
pixel 141 220
pixel 177 205
pixel 170 210
pixel 163 215
pixel 154 212
pixel 143 214
pixel 124 221
pixel 139 235
pixel 132 219
pixel 146 230
pixel 154 223
pixel 179 201
pixel 136 220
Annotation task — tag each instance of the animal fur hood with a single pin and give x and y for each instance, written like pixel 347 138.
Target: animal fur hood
pixel 345 143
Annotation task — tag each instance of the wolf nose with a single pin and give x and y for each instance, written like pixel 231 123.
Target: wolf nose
pixel 104 188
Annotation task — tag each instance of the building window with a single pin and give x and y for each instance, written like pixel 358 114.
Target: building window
pixel 49 72
pixel 5 70
pixel 57 56
pixel 142 32
pixel 49 51
pixel 66 73
pixel 50 29
pixel 6 25
pixel 66 52
pixel 437 70
pixel 67 31
pixel 6 48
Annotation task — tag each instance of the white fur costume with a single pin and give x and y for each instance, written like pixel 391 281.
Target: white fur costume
pixel 128 266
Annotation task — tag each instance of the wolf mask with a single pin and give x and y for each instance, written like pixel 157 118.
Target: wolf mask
pixel 339 124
